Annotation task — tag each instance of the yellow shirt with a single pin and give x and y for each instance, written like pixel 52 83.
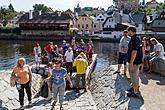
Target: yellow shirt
pixel 81 65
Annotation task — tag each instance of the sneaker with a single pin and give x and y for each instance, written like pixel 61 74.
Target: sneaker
pixel 85 90
pixel 77 91
pixel 52 103
pixel 21 107
pixel 130 89
pixel 30 102
pixel 134 95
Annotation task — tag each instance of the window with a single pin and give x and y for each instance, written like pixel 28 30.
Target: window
pixel 112 19
pixel 159 23
pixel 82 18
pixel 78 25
pixel 109 20
pixel 86 25
pixel 95 26
pixel 102 19
pixel 98 19
pixel 100 16
pixel 109 26
pixel 85 18
pixel 82 25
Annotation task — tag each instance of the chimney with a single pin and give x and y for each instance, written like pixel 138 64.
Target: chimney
pixel 40 12
pixel 59 13
pixel 30 14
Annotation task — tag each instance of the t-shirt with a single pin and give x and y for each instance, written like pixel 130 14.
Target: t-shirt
pixel 49 49
pixel 58 76
pixel 69 56
pixel 37 51
pixel 81 65
pixel 159 47
pixel 123 45
pixel 135 44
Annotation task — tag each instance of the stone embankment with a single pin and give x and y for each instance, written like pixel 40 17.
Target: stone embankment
pixel 108 91
pixel 9 98
pixel 9 95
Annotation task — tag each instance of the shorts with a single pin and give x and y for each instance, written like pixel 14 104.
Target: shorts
pixel 122 58
pixel 38 59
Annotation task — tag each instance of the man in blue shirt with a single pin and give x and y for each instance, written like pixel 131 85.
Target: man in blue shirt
pixel 134 60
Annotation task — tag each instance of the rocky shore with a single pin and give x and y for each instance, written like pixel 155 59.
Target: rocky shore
pixel 108 91
pixel 72 101
pixel 9 95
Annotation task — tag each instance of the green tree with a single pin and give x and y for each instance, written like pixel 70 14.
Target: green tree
pixel 41 7
pixel 6 14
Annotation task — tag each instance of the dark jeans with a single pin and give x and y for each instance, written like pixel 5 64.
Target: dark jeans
pixel 21 93
pixel 69 66
pixel 122 58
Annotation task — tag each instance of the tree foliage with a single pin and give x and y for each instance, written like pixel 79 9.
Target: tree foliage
pixel 41 7
pixel 149 10
pixel 7 14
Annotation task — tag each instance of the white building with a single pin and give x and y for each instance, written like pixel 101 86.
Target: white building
pixel 113 26
pixel 98 23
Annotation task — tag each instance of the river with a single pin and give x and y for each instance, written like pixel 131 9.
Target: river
pixel 10 51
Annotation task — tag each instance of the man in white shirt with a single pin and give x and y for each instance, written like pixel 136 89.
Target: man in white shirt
pixel 69 60
pixel 123 49
pixel 157 54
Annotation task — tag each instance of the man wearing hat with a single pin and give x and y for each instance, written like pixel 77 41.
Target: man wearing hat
pixel 123 48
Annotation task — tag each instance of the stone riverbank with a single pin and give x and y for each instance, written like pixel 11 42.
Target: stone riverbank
pixel 72 100
pixel 108 91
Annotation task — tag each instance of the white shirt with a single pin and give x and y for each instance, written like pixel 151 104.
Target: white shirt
pixel 69 56
pixel 123 45
pixel 159 47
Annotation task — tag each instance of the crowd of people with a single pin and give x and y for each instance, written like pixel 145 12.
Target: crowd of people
pixel 133 50
pixel 136 52
pixel 68 55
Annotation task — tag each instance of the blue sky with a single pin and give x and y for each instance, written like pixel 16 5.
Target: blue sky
pixel 26 5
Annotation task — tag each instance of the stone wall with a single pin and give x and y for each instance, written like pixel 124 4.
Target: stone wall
pixel 9 98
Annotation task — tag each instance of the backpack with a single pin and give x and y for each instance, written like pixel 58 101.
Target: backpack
pixel 44 90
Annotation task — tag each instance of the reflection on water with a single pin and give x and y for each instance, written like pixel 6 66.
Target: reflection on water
pixel 10 51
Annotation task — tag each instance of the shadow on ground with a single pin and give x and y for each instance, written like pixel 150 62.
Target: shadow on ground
pixel 121 85
pixel 154 76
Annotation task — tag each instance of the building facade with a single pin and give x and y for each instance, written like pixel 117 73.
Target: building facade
pixel 85 24
pixel 37 23
pixel 98 23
